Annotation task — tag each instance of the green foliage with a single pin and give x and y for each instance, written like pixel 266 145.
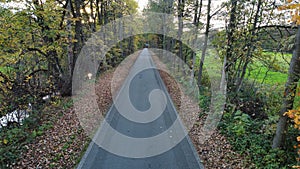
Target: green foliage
pixel 270 68
pixel 11 145
pixel 8 155
pixel 248 137
pixel 253 137
pixel 240 123
pixel 68 104
pixel 204 99
pixel 27 38
pixel 14 139
pixel 34 51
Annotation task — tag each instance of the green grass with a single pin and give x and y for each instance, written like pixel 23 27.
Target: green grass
pixel 277 74
pixel 263 75
pixel 271 68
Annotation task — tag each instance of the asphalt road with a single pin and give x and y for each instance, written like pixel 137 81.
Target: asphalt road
pixel 140 113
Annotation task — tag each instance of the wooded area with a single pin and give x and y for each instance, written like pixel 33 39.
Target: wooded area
pixel 258 43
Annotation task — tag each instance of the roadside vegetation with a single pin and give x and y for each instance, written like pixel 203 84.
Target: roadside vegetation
pixel 15 139
pixel 258 48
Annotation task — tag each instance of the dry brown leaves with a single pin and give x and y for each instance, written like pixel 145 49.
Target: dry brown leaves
pixel 216 152
pixel 63 144
pixel 58 147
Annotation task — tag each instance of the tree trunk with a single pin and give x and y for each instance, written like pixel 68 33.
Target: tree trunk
pixel 230 30
pixel 200 11
pixel 205 43
pixel 78 28
pixel 289 95
pixel 70 45
pixel 181 6
pixel 180 26
pixel 67 85
pixel 93 17
pixel 66 89
pixel 197 11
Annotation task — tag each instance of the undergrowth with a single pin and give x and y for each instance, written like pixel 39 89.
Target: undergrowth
pixel 253 136
pixel 15 138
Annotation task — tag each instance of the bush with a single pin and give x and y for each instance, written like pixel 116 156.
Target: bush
pixel 13 140
pixel 12 145
pixel 248 137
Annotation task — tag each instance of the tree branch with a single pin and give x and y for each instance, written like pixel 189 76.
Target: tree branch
pixel 38 50
pixel 276 26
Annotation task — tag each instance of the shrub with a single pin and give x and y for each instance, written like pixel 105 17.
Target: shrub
pixel 248 137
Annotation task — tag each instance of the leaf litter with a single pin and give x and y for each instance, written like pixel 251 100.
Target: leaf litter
pixel 62 145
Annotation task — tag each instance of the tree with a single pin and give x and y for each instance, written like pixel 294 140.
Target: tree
pixel 39 44
pixel 181 6
pixel 207 27
pixel 30 50
pixel 291 84
pixel 289 95
pixel 196 22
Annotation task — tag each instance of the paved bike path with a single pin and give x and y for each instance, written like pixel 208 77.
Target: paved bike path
pixel 138 87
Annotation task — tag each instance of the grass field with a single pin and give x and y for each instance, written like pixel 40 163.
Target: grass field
pixel 273 75
pixel 270 69
pixel 272 72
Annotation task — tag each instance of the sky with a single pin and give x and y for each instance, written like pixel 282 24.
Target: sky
pixel 142 4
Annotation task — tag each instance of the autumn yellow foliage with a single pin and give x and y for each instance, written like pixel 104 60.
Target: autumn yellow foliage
pixel 295 116
pixel 294 9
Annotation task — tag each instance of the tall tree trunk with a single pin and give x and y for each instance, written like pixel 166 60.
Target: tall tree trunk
pixel 93 17
pixel 181 6
pixel 180 26
pixel 200 11
pixel 168 9
pixel 70 45
pixel 205 43
pixel 98 12
pixel 67 85
pixel 78 28
pixel 230 38
pixel 197 11
pixel 289 95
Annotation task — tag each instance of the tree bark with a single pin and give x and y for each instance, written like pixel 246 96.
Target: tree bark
pixel 230 38
pixel 70 45
pixel 66 89
pixel 205 43
pixel 180 26
pixel 197 11
pixel 289 95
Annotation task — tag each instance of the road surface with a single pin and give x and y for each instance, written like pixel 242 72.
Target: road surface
pixel 103 152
